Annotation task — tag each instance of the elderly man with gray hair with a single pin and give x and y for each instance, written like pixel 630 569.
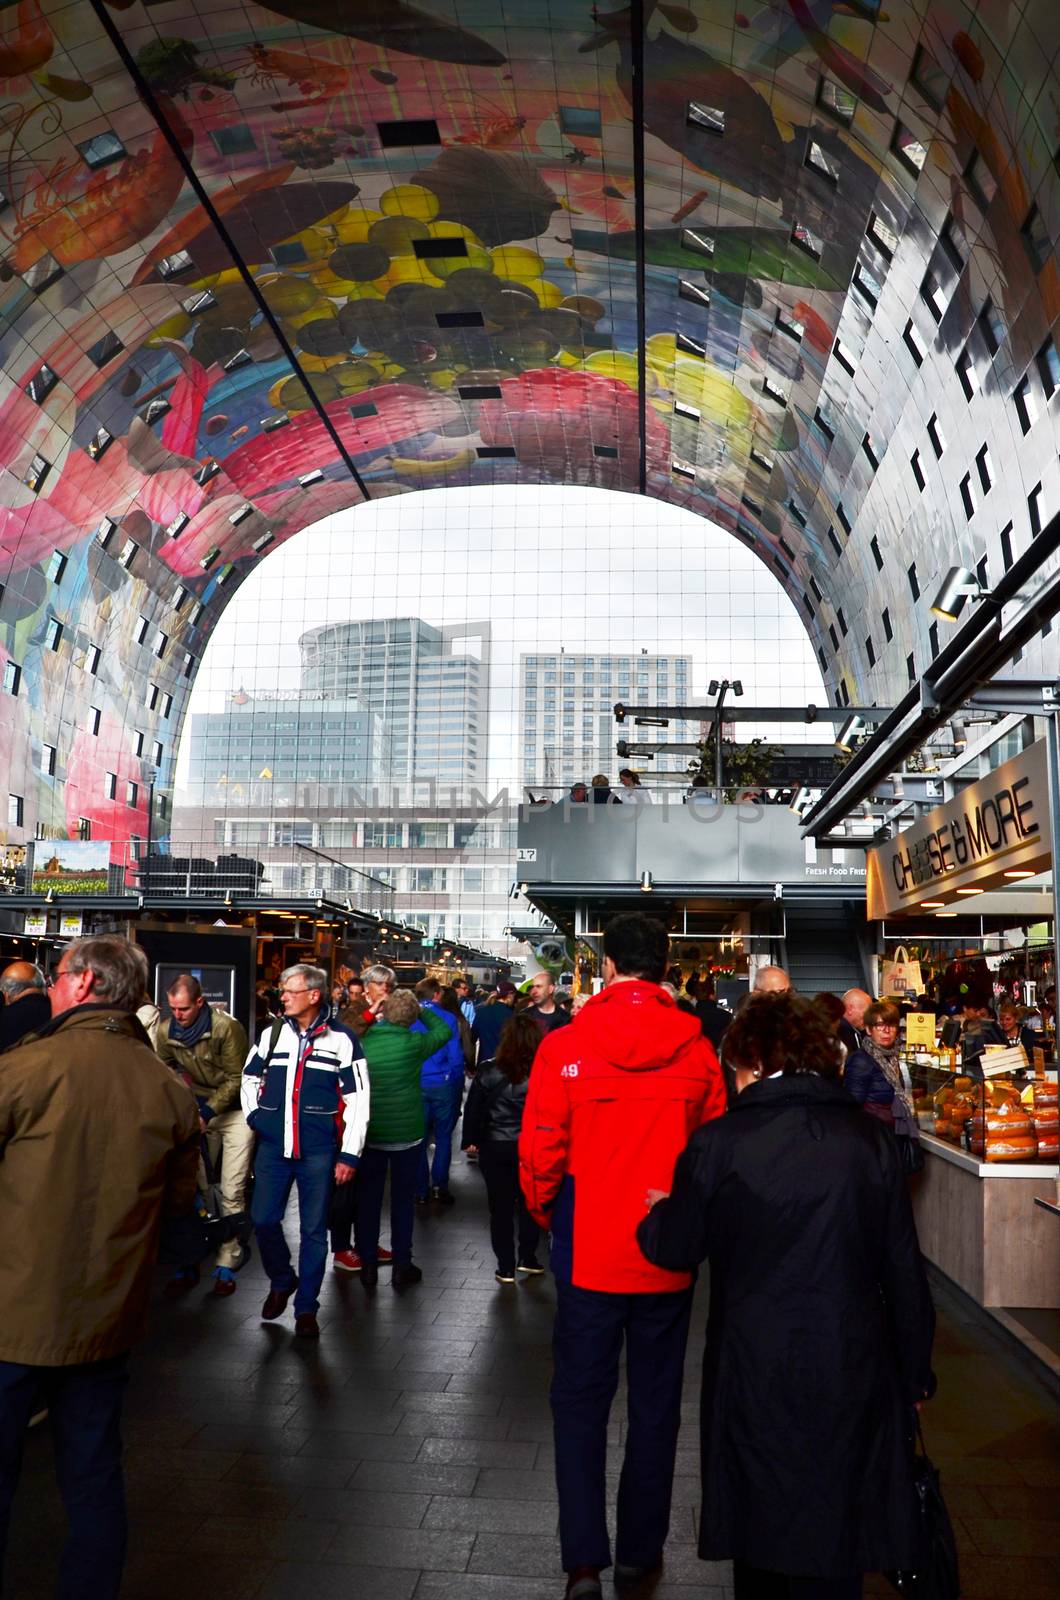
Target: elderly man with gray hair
pixel 304 1079
pixel 26 1007
pixel 98 1144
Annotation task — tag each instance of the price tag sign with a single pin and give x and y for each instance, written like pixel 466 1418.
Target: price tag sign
pixel 36 923
pixel 920 1030
pixel 71 925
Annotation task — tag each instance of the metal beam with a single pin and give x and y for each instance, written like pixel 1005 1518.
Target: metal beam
pixel 734 713
pixel 150 100
pixel 636 28
pixel 980 649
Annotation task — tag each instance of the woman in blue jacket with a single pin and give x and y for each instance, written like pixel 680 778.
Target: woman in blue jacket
pixel 442 1082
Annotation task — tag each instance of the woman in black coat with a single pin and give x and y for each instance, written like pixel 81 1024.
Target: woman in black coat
pixel 820 1329
pixel 493 1120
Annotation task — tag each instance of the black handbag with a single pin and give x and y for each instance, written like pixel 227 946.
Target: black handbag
pixel 936 1574
pixel 911 1152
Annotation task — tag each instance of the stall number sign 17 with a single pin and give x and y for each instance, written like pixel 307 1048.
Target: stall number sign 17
pixel 526 853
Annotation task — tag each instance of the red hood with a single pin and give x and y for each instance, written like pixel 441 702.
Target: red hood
pixel 636 1026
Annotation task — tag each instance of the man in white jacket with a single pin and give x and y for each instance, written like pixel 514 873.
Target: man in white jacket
pixel 305 1094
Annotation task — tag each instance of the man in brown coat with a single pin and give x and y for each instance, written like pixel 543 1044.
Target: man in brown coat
pixel 98 1142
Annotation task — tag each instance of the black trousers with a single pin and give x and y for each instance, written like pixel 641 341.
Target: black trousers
pixel 341 1215
pixel 591 1328
pixel 84 1408
pixel 752 1583
pixel 499 1162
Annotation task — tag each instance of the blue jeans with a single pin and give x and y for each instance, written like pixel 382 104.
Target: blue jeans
pixel 274 1176
pixel 441 1108
pixel 84 1406
pixel 587 1345
pixel 371 1181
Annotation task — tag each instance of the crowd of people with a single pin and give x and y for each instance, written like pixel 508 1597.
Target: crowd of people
pixel 643 1129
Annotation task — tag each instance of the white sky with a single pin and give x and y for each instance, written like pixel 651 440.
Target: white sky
pixel 586 569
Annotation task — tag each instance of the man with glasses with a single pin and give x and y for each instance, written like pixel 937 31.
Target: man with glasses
pixel 302 1078
pixel 99 1142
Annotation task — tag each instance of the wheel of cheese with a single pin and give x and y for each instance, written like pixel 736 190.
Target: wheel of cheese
pixel 1049 1149
pixel 1012 1148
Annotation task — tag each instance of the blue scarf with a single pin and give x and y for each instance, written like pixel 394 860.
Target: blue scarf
pixel 197 1029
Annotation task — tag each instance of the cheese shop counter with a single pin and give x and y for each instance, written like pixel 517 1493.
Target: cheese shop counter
pixel 978 1224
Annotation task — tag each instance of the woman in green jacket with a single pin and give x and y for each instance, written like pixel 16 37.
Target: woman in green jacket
pixel 395 1057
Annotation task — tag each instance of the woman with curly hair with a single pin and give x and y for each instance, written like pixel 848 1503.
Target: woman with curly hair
pixel 493 1119
pixel 819 1338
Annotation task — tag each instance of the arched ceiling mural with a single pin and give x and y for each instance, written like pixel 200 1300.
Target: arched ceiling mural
pixel 791 264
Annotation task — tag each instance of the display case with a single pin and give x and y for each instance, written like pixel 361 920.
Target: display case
pixel 992 1106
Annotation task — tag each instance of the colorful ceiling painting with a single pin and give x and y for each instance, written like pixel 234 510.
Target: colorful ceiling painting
pixel 261 262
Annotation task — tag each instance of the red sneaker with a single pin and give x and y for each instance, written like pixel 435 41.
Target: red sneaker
pixel 347 1261
pixel 385 1255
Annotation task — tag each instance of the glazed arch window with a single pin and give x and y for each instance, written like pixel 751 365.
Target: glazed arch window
pixel 844 357
pixel 99 443
pixel 837 101
pixel 935 434
pixel 918 471
pixel 48 755
pixel 912 342
pixel 110 785
pixel 93 658
pixel 53 634
pixel 95 717
pixel 1035 236
pixel 819 161
pixel 1048 363
pixel 805 239
pixel 929 78
pixel 56 567
pixel 966 372
pixel 15 811
pixel 101 150
pixel 105 532
pixel 176 265
pixel 128 554
pixel 932 295
pixel 1024 401
pixel 12 677
pixel 909 149
pixel 790 324
pixel 42 383
pixel 38 471
pixel 709 118
pixel 883 236
pixel 980 180
pixel 105 349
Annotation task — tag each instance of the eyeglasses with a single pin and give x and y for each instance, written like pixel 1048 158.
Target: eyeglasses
pixel 54 979
pixel 288 990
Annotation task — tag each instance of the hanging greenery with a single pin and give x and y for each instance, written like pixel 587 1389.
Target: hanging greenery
pixel 743 766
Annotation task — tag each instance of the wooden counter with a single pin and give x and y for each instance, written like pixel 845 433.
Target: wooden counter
pixel 978 1223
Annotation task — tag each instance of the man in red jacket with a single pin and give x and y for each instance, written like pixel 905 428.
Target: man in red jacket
pixel 612 1102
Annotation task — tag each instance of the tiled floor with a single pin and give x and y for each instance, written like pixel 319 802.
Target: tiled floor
pixel 408 1453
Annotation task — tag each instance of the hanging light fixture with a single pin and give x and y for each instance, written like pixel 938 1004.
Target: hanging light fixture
pixel 849 734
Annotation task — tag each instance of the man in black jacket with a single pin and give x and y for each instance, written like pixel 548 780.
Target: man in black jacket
pixel 26 1006
pixel 713 1019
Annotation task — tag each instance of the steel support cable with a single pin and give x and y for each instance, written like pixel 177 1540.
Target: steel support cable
pixel 636 23
pixel 979 649
pixel 150 100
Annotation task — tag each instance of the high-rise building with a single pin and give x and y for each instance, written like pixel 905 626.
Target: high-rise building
pixel 567 710
pixel 430 687
pixel 260 745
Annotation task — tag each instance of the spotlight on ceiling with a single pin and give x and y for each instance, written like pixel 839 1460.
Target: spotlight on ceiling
pixel 960 736
pixel 737 687
pixel 713 686
pixel 647 883
pixel 897 786
pixel 959 585
pixel 849 734
pixel 799 800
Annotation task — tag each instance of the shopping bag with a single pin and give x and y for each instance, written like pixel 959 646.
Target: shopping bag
pixel 901 976
pixel 936 1573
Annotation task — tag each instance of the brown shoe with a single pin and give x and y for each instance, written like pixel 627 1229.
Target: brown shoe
pixel 276 1302
pixel 306 1326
